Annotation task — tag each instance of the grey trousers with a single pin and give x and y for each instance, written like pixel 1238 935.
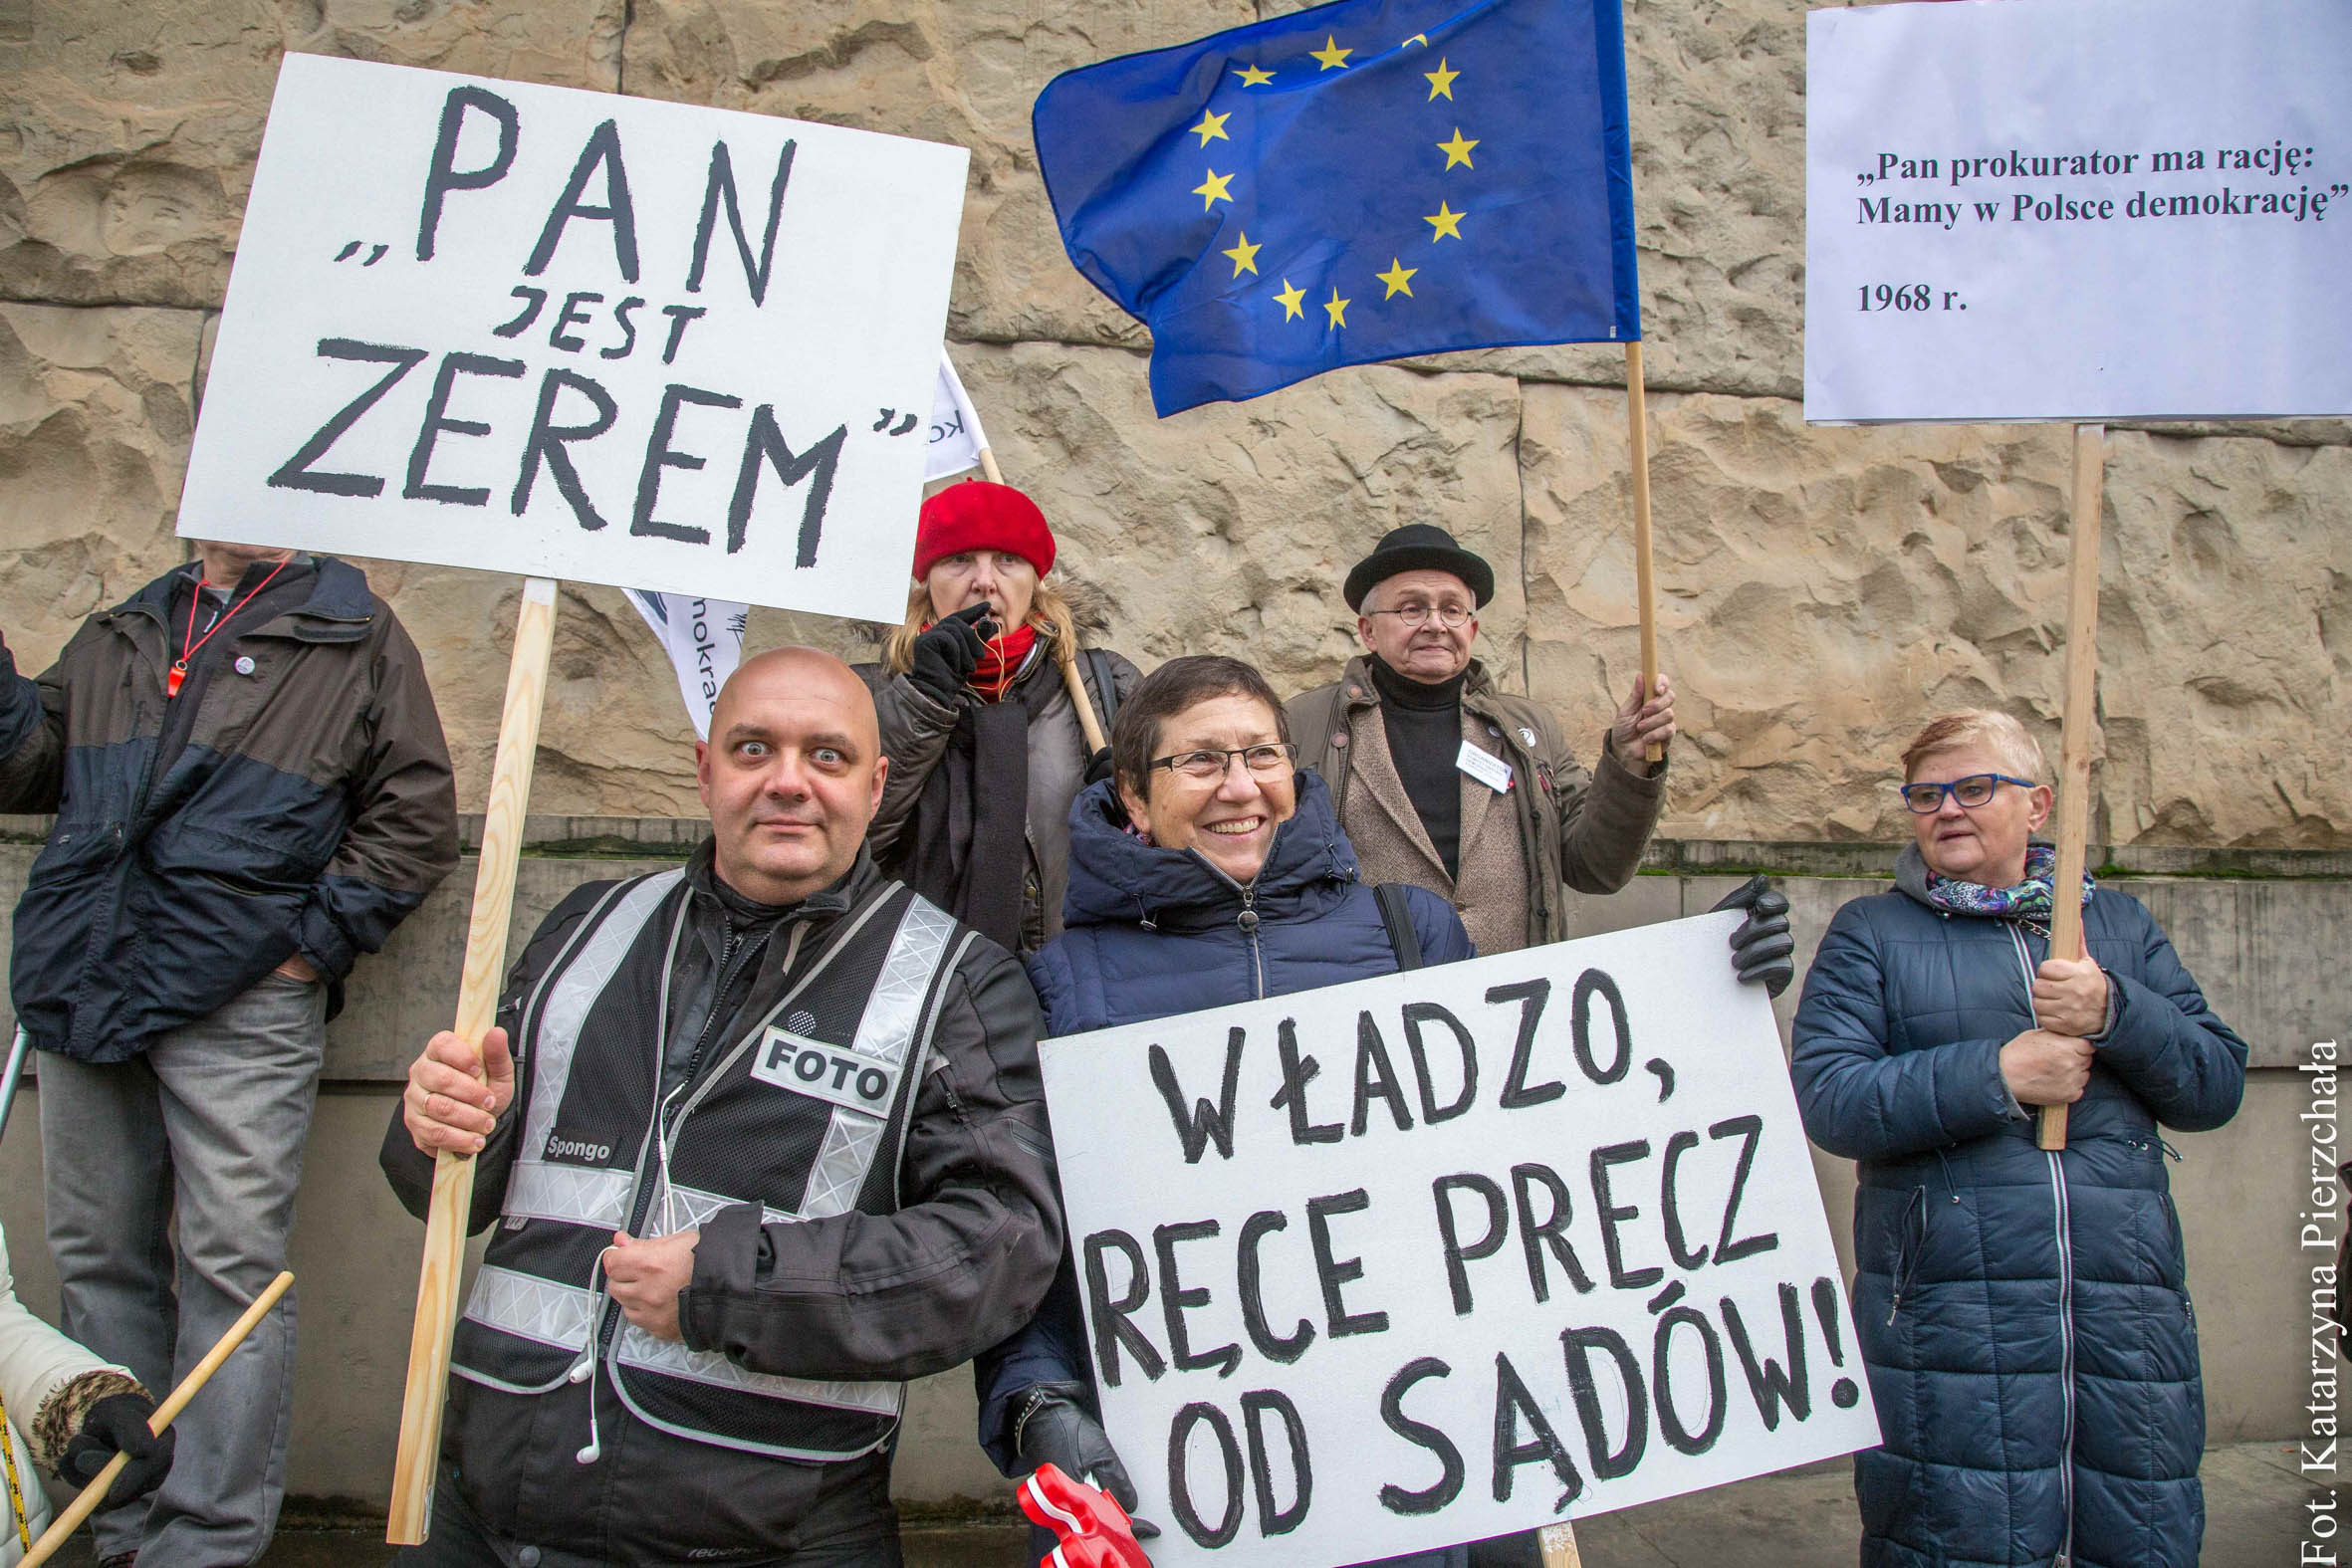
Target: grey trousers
pixel 199 1140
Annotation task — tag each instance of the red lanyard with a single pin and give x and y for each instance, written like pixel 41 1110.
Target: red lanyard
pixel 178 673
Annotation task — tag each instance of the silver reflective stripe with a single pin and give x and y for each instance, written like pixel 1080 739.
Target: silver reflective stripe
pixel 540 1191
pixel 576 990
pixel 677 1208
pixel 672 1359
pixel 530 1307
pixel 893 1016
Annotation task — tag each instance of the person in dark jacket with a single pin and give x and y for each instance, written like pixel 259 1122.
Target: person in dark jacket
pixel 764 1139
pixel 1211 871
pixel 250 789
pixel 985 743
pixel 2025 1314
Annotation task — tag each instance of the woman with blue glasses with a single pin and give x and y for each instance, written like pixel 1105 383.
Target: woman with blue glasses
pixel 2025 1314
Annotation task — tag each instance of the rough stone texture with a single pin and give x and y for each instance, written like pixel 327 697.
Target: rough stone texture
pixel 1904 571
pixel 127 143
pixel 1820 589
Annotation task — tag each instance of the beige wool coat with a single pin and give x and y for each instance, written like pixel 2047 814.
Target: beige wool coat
pixel 1556 825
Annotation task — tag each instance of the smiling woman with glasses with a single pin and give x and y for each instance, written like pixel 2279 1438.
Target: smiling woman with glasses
pixel 1207 871
pixel 2024 1315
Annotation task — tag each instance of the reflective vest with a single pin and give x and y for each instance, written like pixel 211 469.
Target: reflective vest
pixel 801 1108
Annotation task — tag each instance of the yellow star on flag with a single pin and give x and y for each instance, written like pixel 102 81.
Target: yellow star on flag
pixel 1291 299
pixel 1212 128
pixel 1445 221
pixel 1399 279
pixel 1457 150
pixel 1212 189
pixel 1245 255
pixel 1331 55
pixel 1418 37
pixel 1441 81
pixel 1336 309
pixel 1253 76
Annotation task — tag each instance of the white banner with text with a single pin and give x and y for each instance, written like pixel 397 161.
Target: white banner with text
pixel 1453 1252
pixel 2078 209
pixel 579 336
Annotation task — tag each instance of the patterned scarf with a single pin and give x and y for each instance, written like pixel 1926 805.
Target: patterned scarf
pixel 2029 901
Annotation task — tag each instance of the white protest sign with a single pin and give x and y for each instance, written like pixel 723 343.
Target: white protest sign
pixel 1453 1252
pixel 2078 209
pixel 957 440
pixel 570 335
pixel 704 641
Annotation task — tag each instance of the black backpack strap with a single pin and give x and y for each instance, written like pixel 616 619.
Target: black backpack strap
pixel 1397 915
pixel 1106 691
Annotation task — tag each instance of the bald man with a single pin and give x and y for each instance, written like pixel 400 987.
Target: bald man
pixel 763 1139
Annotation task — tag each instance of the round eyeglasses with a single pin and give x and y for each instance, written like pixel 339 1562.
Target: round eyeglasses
pixel 1271 757
pixel 1926 799
pixel 1451 616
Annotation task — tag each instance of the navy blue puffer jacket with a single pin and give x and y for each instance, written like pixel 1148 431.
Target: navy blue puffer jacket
pixel 2024 1316
pixel 1151 932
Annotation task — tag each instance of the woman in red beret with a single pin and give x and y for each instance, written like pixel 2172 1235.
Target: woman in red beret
pixel 986 748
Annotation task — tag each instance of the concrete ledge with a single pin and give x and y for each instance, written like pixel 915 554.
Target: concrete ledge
pixel 2259 929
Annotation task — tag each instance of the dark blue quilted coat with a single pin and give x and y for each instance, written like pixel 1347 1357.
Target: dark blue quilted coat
pixel 1315 925
pixel 2024 1316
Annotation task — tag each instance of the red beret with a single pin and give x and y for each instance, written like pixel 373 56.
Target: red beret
pixel 977 515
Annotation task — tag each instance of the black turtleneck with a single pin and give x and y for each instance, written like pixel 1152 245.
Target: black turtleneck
pixel 1424 725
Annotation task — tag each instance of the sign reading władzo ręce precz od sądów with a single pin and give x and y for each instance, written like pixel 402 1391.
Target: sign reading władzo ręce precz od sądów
pixel 1448 1253
pixel 579 336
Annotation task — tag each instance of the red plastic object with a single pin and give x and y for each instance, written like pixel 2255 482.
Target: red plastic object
pixel 1091 1525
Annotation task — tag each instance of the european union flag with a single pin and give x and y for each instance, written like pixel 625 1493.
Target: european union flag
pixel 1358 181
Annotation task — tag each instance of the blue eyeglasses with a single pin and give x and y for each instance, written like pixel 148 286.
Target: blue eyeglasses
pixel 1926 799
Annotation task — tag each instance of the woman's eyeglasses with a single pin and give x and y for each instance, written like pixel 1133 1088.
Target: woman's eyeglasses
pixel 1270 758
pixel 1925 798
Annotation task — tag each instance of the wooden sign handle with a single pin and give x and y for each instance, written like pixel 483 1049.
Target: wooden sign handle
pixel 2074 767
pixel 1558 1545
pixel 87 1503
pixel 1637 429
pixel 411 1515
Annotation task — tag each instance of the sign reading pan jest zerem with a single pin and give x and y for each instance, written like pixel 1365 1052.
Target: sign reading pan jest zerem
pixel 1448 1253
pixel 573 335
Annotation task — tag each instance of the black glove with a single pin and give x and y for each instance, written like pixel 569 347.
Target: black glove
pixel 1098 767
pixel 118 1423
pixel 1051 1427
pixel 1762 948
pixel 946 655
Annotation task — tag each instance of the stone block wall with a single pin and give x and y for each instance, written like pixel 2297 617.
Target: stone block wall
pixel 1820 590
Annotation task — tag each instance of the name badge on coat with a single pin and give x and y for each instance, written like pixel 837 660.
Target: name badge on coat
pixel 1485 767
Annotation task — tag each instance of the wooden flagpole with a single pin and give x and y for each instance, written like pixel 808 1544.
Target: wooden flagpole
pixel 87 1503
pixel 2082 668
pixel 411 1516
pixel 1637 428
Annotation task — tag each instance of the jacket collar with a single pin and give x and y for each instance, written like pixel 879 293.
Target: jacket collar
pixel 1357 691
pixel 338 609
pixel 702 876
pixel 1118 878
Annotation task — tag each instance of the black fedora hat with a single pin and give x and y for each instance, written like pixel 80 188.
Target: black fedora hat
pixel 1418 547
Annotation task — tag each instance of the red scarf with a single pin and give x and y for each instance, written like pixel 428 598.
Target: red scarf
pixel 1002 661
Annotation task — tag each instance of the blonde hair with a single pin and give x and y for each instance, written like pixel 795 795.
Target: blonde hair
pixel 1049 613
pixel 1988 727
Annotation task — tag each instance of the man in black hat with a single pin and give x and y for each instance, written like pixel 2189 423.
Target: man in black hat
pixel 1444 782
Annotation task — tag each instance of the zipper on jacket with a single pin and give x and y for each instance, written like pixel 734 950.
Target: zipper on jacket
pixel 2065 1239
pixel 1248 921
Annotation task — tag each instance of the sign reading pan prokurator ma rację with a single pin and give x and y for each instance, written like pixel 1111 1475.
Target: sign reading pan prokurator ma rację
pixel 578 335
pixel 2078 209
pixel 1448 1253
